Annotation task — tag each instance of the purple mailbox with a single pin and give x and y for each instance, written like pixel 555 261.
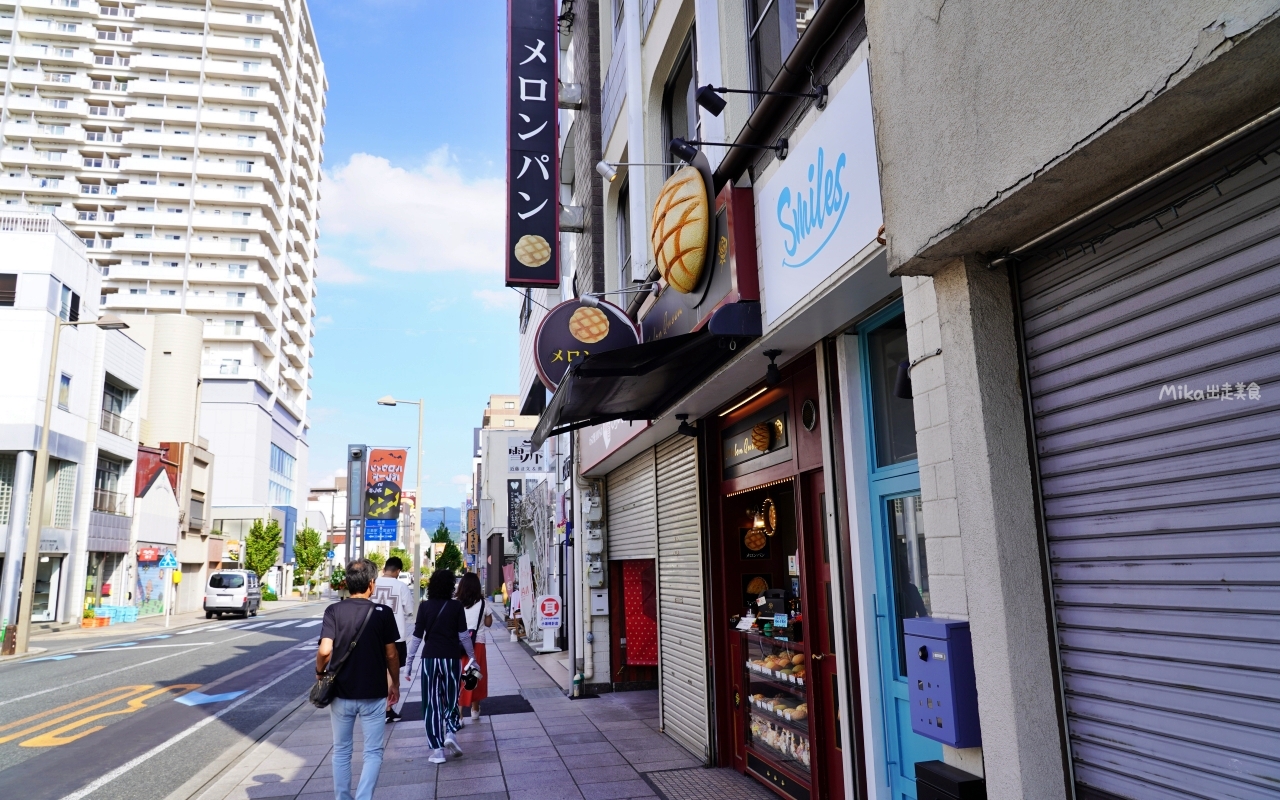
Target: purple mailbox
pixel 944 696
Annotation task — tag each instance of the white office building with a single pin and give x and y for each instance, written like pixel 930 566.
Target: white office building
pixel 86 522
pixel 181 142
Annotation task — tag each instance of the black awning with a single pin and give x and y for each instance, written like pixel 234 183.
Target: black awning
pixel 643 381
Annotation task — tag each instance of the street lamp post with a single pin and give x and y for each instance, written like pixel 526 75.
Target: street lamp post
pixel 107 322
pixel 413 529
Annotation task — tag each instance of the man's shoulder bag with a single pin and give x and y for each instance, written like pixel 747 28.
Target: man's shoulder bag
pixel 323 691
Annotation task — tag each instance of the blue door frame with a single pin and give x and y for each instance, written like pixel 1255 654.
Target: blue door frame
pixel 902 747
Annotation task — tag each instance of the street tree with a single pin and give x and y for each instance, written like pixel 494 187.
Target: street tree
pixel 310 554
pixel 262 546
pixel 451 557
pixel 403 555
pixel 377 558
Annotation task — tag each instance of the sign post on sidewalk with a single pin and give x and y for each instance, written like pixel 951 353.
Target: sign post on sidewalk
pixel 169 563
pixel 549 620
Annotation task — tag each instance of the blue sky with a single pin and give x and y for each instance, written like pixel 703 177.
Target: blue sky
pixel 411 301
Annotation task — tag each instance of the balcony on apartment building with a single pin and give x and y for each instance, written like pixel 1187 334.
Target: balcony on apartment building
pixel 114 423
pixel 109 502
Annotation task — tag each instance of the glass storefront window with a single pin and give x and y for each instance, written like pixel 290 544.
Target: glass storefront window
pixel 910 566
pixel 893 417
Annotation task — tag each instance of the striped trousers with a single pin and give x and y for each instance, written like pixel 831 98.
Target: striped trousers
pixel 441 679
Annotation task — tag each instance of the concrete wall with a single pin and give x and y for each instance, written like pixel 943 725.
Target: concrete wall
pixel 1000 119
pixel 983 545
pixel 170 403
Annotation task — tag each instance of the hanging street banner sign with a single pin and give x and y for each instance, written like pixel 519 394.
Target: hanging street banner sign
pixel 533 170
pixel 383 478
pixel 571 331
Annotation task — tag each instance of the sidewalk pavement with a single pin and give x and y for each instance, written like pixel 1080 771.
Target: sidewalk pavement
pixel 551 748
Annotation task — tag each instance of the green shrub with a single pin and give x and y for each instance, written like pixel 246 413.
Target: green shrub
pixel 268 593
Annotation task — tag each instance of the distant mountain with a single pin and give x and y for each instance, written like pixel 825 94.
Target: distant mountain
pixel 452 519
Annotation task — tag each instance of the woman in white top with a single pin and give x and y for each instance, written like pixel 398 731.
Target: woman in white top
pixel 472 598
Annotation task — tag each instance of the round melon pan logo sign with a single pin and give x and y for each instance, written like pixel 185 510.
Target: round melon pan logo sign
pixel 572 331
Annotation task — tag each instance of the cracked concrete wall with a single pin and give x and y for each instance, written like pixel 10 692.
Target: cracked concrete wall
pixel 1042 109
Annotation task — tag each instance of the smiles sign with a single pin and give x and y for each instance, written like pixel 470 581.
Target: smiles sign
pixel 821 206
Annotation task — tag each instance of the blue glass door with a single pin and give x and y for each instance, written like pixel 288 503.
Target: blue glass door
pixel 897 525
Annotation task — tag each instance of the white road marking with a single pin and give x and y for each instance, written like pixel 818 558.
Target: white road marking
pixel 311 623
pixel 105 674
pixel 284 624
pixel 144 647
pixel 255 625
pixel 129 766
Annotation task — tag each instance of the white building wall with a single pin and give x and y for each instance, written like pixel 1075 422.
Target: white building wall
pixel 183 146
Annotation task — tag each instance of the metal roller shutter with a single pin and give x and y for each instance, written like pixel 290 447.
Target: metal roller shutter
pixel 682 637
pixel 630 498
pixel 1162 511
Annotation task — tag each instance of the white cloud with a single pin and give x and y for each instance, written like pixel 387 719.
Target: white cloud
pixel 332 270
pixel 497 299
pixel 427 219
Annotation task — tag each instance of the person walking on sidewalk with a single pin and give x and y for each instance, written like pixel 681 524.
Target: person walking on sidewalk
pixel 441 632
pixel 368 682
pixel 471 596
pixel 395 594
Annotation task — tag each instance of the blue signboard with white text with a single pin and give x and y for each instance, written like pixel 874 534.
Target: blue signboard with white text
pixel 380 530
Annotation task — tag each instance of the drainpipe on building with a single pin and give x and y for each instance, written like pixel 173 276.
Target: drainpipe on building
pixel 635 144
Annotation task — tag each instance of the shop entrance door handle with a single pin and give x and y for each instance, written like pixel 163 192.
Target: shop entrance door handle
pixel 819 656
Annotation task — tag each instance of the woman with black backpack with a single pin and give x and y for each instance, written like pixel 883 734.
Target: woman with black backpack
pixel 441 632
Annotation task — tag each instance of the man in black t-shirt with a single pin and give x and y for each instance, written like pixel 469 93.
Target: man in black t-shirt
pixel 362 688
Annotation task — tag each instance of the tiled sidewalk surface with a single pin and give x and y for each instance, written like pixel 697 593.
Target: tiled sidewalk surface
pixel 591 749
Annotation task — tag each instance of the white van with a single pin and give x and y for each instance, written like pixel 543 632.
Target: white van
pixel 232 591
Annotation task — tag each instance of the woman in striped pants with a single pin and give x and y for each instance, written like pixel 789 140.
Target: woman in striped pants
pixel 441 632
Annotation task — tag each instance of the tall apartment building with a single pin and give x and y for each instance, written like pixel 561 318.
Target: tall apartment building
pixel 181 141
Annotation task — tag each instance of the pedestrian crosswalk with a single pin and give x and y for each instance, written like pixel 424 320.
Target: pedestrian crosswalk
pixel 260 625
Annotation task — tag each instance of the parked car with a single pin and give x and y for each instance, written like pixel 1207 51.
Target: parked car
pixel 232 591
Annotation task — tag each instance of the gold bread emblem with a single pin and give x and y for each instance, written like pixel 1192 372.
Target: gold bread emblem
pixel 758 585
pixel 681 220
pixel 589 325
pixel 532 250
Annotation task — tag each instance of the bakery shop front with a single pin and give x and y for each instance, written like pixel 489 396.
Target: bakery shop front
pixel 773 599
pixel 736 385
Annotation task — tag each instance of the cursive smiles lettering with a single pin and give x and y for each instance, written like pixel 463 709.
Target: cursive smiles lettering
pixel 819 209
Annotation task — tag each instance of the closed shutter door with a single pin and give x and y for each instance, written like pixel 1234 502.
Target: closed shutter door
pixel 631 526
pixel 682 636
pixel 1161 510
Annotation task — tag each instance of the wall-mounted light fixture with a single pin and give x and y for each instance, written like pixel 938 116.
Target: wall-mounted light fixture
pixel 609 169
pixel 592 299
pixel 709 96
pixel 772 375
pixel 687 152
pixel 685 428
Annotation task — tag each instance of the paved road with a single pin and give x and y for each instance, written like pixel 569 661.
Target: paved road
pixel 136 718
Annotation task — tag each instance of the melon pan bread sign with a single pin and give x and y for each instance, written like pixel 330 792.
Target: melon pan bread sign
pixel 681 225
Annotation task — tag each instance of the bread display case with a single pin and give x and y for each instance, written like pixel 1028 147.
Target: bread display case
pixel 777 715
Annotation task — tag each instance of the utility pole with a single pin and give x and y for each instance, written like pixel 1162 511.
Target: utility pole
pixel 31 557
